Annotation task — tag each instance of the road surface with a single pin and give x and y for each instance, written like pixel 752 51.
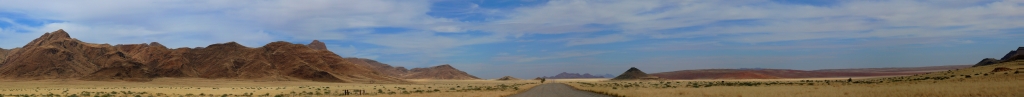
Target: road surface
pixel 556 90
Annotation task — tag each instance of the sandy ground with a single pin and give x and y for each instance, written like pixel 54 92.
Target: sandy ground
pixel 556 90
pixel 967 82
pixel 207 87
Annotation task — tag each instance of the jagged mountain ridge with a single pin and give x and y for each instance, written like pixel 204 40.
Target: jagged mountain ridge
pixel 437 72
pixel 56 55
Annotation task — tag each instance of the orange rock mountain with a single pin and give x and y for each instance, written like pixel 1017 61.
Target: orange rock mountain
pixel 56 55
pixel 437 72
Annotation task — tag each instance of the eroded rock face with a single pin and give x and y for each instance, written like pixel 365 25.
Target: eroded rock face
pixel 57 56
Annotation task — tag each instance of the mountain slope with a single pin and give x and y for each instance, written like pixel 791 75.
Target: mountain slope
pixel 437 72
pixel 57 56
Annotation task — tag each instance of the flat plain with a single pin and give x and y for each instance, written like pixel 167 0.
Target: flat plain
pixel 983 81
pixel 969 82
pixel 175 87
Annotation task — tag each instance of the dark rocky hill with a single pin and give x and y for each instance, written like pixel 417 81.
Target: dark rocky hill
pixel 56 55
pixel 635 74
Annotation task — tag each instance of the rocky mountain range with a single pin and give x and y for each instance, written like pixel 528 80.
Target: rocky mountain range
pixel 565 75
pixel 56 55
pixel 437 72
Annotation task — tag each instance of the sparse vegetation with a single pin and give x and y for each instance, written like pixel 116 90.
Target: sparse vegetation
pixel 290 89
pixel 955 83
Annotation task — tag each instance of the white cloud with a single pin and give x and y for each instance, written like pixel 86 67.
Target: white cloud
pixel 429 41
pixel 760 21
pixel 559 55
pixel 598 40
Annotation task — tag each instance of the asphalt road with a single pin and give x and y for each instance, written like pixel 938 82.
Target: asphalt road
pixel 556 90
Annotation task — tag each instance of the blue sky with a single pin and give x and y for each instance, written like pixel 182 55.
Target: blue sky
pixel 531 38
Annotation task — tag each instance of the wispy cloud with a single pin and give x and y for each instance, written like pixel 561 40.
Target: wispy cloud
pixel 558 55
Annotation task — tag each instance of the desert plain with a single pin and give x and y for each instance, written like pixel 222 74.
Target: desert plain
pixel 978 81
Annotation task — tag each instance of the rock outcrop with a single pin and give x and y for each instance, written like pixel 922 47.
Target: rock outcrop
pixel 565 75
pixel 57 56
pixel 437 72
pixel 507 78
pixel 635 74
pixel 317 45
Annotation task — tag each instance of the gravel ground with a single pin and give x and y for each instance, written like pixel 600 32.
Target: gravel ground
pixel 556 90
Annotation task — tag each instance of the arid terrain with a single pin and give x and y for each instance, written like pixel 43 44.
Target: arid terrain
pixel 174 87
pixel 787 73
pixel 983 81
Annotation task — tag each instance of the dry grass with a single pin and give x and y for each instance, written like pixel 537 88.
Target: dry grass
pixel 936 84
pixel 175 87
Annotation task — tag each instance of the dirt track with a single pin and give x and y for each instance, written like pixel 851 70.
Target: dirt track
pixel 556 90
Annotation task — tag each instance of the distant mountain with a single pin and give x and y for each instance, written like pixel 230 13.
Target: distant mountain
pixel 635 74
pixel 787 73
pixel 507 78
pixel 608 76
pixel 1010 56
pixel 899 69
pixel 437 72
pixel 565 75
pixel 56 55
